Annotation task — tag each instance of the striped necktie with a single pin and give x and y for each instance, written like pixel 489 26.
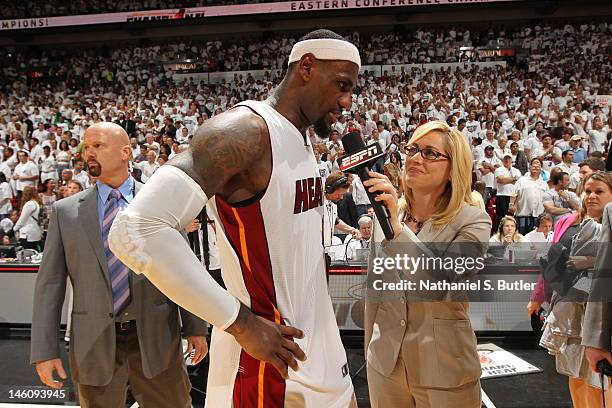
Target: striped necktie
pixel 118 272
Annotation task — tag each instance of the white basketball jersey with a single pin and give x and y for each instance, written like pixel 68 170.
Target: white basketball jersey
pixel 272 261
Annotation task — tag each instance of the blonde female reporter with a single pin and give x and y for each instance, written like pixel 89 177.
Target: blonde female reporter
pixel 423 354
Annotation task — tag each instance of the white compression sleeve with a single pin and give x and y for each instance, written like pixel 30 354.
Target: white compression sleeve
pixel 146 238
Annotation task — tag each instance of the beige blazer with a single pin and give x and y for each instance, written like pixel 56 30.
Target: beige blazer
pixel 597 324
pixel 436 339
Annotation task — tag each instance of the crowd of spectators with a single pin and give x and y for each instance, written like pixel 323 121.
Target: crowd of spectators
pixel 526 121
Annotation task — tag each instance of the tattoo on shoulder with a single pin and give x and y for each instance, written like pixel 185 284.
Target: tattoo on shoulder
pixel 227 146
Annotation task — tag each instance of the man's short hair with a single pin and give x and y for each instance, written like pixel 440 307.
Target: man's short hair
pixel 535 159
pixel 335 181
pixel 594 164
pixel 322 34
pixel 544 217
pixel 596 155
pixel 565 153
pixel 557 178
pixel 364 220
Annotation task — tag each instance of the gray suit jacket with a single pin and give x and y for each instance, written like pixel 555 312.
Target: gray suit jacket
pixel 597 325
pixel 435 339
pixel 74 248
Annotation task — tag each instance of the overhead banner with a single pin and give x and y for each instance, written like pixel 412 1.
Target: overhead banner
pixel 182 70
pixel 221 11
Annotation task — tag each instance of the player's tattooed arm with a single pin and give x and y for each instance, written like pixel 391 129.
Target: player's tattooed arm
pixel 223 147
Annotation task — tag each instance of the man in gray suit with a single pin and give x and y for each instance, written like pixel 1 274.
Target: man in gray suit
pixel 123 328
pixel 597 327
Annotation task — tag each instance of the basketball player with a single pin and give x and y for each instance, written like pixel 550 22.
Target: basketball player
pixel 255 168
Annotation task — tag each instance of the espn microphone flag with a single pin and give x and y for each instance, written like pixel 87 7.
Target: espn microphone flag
pixel 353 161
pixel 357 160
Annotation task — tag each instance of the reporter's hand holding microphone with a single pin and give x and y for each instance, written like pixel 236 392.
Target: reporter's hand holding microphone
pixel 386 195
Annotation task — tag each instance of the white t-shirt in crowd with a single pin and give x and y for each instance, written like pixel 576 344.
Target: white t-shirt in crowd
pixel 596 140
pixel 6 192
pixel 487 142
pixel 536 236
pixel 506 189
pixel 25 169
pixel 355 244
pixel 27 225
pixel 147 169
pixel 569 169
pixel 532 144
pixel 82 178
pixel 529 193
pixel 41 135
pixel 489 179
pixel 386 136
pixel 538 242
pixel 473 128
pixel 548 160
pixel 360 196
pixel 325 169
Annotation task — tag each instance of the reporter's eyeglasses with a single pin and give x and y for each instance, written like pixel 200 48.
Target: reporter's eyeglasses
pixel 427 153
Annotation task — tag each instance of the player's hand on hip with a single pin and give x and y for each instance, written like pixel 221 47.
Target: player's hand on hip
pixel 268 341
pixel 45 371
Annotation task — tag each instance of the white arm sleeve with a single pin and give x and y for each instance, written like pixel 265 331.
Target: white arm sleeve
pixel 145 237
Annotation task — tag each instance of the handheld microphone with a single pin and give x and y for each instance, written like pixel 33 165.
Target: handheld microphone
pixel 357 160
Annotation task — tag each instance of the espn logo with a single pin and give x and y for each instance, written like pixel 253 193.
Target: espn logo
pixel 353 160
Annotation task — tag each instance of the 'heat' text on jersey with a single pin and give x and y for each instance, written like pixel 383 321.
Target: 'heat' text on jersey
pixel 308 194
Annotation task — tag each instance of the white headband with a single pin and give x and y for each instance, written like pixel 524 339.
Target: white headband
pixel 326 49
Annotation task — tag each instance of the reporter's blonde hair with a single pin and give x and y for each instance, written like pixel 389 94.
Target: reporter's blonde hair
pixel 458 189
